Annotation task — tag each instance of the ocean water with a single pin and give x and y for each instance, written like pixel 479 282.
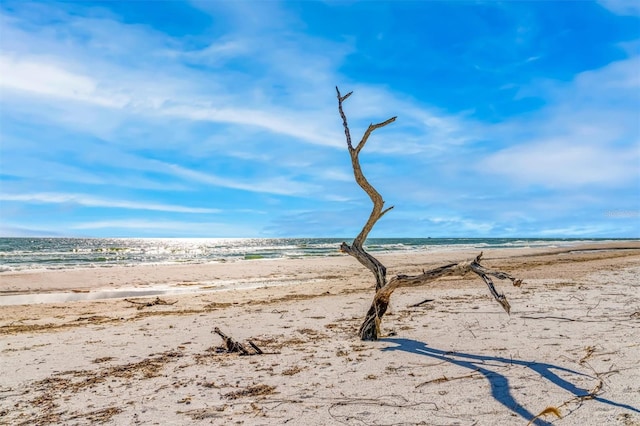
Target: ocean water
pixel 67 253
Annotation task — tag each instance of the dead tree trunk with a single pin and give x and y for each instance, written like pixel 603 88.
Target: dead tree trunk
pixel 370 328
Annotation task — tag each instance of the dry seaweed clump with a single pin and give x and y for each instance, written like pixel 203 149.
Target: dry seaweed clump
pixel 51 390
pixel 255 390
pixel 292 370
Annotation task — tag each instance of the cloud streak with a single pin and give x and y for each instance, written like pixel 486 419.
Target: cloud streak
pixel 588 136
pixel 91 201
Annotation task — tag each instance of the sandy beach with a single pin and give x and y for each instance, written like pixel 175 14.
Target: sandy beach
pixel 135 345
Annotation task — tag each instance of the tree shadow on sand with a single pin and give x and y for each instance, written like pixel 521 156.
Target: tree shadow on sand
pixel 488 366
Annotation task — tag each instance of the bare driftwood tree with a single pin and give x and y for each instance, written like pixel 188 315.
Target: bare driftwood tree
pixel 370 328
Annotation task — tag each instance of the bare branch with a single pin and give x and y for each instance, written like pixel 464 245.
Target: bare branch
pixel 385 211
pixel 344 117
pixel 370 329
pixel 481 270
pixel 356 249
pixel 374 195
pixel 370 130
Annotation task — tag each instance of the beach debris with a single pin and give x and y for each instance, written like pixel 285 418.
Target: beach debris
pixel 291 371
pixel 255 348
pixel 255 390
pixel 370 328
pixel 548 410
pixel 448 379
pixel 156 301
pixel 593 393
pixel 205 413
pixel 102 359
pixel 417 305
pixel 590 350
pixel 232 346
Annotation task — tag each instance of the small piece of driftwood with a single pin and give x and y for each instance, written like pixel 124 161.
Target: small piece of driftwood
pixel 155 302
pixel 232 346
pixel 416 305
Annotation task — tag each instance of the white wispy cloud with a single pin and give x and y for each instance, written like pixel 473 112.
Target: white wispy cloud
pixel 168 228
pixel 278 185
pixel 560 163
pixel 588 135
pixel 622 7
pixel 41 77
pixel 575 231
pixel 459 225
pixel 279 122
pixel 91 201
pixel 72 67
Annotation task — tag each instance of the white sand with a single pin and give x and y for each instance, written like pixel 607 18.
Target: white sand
pixel 574 331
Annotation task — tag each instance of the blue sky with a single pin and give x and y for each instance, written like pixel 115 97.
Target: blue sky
pixel 219 119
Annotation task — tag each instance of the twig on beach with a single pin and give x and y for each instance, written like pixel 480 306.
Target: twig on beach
pixel 232 346
pixel 593 307
pixel 556 410
pixel 416 305
pixel 590 350
pixel 580 398
pixel 547 317
pixel 255 390
pixel 157 301
pixel 255 347
pixel 448 379
pixel 382 401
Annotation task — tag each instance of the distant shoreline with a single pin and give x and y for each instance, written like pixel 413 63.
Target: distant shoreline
pixel 18 254
pixel 118 281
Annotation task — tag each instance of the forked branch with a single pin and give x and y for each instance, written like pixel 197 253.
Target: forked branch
pixel 355 249
pixel 370 329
